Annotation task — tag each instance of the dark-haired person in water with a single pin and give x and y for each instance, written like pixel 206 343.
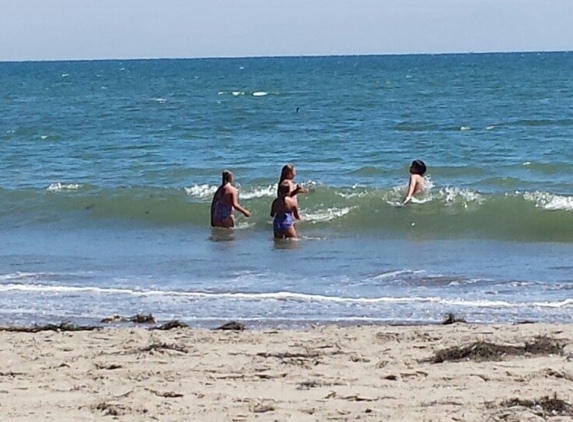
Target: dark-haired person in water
pixel 225 201
pixel 417 182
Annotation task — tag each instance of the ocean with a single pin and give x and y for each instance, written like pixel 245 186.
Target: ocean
pixel 108 169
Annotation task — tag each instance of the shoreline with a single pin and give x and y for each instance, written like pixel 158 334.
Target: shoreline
pixel 368 372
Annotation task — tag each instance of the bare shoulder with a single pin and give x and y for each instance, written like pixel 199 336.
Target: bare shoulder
pixel 291 201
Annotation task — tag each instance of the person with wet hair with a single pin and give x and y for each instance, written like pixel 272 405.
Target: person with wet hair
pixel 288 173
pixel 225 201
pixel 417 182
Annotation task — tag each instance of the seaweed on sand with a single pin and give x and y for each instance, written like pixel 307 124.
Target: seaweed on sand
pixel 137 319
pixel 543 407
pixel 452 319
pixel 64 326
pixel 485 351
pixel 232 326
pixel 171 325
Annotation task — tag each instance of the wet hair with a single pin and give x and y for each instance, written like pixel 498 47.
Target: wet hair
pixel 287 168
pixel 419 166
pixel 227 177
pixel 284 190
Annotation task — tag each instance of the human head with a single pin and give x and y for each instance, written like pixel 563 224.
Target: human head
pixel 284 190
pixel 418 167
pixel 227 177
pixel 288 172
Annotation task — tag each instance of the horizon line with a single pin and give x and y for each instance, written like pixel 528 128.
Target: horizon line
pixel 279 56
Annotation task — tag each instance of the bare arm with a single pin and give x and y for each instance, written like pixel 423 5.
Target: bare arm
pixel 213 202
pixel 297 190
pixel 236 205
pixel 295 212
pixel 411 189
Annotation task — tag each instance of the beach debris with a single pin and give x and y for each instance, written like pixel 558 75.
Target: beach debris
pixel 263 406
pixel 112 409
pixel 543 407
pixel 171 325
pixel 110 367
pixel 137 319
pixel 557 374
pixel 10 374
pixel 161 347
pixel 354 397
pixel 355 358
pixel 232 326
pixel 307 385
pixel 452 319
pixel 485 351
pixel 271 376
pixel 64 326
pixel 289 355
pixel 166 394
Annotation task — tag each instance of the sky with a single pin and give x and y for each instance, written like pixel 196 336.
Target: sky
pixel 123 29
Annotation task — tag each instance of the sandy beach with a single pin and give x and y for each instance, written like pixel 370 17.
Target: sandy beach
pixel 328 373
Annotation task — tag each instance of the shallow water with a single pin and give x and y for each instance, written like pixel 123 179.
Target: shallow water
pixel 108 169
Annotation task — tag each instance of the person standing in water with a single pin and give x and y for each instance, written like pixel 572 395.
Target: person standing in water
pixel 288 173
pixel 417 182
pixel 225 201
pixel 284 211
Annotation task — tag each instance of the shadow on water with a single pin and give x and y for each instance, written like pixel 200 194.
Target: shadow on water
pixel 222 235
pixel 283 244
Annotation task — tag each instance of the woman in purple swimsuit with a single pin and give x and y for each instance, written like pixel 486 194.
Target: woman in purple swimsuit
pixel 284 211
pixel 226 200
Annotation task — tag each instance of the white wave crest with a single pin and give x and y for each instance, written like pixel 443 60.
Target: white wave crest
pixel 357 192
pixel 206 191
pixel 329 214
pixel 285 296
pixel 396 274
pixel 259 192
pixel 58 187
pixel 260 94
pixel 201 191
pixel 550 201
pixel 452 195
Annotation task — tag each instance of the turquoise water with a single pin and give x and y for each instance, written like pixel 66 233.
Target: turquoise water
pixel 108 169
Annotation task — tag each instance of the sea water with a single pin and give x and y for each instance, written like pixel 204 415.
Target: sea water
pixel 108 168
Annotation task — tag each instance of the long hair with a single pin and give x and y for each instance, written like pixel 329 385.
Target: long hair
pixel 227 177
pixel 287 168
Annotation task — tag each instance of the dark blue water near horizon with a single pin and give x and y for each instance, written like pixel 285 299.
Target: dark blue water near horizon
pixel 107 170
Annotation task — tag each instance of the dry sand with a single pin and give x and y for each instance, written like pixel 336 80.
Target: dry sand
pixel 369 373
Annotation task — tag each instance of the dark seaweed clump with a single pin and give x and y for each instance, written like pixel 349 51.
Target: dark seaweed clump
pixel 485 351
pixel 543 407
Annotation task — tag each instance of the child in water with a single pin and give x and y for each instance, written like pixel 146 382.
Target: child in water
pixel 284 211
pixel 225 201
pixel 288 173
pixel 417 182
